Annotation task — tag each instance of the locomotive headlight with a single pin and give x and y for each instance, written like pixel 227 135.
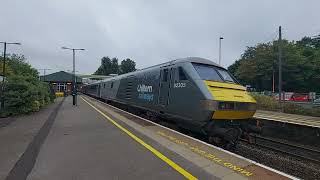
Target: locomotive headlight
pixel 209 105
pixel 226 105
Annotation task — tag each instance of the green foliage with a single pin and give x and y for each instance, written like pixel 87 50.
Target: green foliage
pixel 111 66
pixel 35 106
pixel 19 66
pixel 300 67
pixel 23 91
pixel 271 104
pixel 127 65
pixel 266 102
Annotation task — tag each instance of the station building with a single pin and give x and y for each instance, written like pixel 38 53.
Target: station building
pixel 61 81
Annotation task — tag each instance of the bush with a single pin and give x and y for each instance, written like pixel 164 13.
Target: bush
pixel 23 91
pixel 266 102
pixel 35 106
pixel 25 94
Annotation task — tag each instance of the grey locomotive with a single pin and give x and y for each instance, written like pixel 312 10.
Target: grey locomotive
pixel 194 93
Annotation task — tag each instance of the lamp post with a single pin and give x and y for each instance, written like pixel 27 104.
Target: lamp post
pixel 74 87
pixel 4 70
pixel 220 38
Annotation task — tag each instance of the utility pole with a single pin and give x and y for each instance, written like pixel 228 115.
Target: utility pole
pixel 44 73
pixel 220 38
pixel 74 85
pixel 280 64
pixel 4 71
pixel 273 79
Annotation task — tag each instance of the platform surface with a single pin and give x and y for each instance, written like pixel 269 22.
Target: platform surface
pixel 94 140
pixel 18 133
pixel 288 118
pixel 83 145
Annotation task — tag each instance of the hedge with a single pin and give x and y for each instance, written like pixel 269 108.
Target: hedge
pixel 24 94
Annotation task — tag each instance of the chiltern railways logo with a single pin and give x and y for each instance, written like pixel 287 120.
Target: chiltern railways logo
pixel 145 92
pixel 144 88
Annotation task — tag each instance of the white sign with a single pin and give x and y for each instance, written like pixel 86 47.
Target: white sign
pixel 179 85
pixel 144 88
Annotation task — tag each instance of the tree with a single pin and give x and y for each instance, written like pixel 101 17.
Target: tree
pixel 114 66
pixel 300 67
pixel 127 65
pixel 110 66
pixel 19 66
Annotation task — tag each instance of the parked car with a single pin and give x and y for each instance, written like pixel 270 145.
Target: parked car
pixel 317 101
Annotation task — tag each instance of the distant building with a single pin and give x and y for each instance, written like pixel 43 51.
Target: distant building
pixel 61 81
pixel 88 79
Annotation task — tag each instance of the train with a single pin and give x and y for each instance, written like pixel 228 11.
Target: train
pixel 194 93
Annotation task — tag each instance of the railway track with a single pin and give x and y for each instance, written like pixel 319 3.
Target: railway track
pixel 300 151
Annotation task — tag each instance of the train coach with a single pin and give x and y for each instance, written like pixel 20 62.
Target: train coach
pixel 194 93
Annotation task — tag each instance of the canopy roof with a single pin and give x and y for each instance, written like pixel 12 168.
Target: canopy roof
pixel 60 76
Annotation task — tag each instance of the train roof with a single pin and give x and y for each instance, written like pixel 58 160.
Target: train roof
pixel 196 60
pixel 187 59
pixel 180 60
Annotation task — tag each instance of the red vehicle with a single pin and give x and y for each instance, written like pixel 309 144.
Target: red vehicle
pixel 299 97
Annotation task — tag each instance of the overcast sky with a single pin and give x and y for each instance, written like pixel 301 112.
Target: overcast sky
pixel 148 31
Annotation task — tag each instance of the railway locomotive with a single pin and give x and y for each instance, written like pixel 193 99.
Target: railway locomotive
pixel 194 93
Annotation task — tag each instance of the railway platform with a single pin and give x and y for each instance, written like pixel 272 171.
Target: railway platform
pixel 96 141
pixel 288 118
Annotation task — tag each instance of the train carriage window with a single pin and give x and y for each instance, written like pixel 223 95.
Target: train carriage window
pixel 111 85
pixel 182 75
pixel 104 85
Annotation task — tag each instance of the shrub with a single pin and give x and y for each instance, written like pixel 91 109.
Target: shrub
pixel 25 94
pixel 266 102
pixel 23 90
pixel 35 106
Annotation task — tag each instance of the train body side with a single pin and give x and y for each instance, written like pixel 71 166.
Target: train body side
pixel 175 91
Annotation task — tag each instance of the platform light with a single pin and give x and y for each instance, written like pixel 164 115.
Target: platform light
pixel 74 87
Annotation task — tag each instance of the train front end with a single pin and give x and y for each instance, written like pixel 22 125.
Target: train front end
pixel 231 105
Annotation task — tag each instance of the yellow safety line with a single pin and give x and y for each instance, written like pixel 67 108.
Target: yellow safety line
pixel 150 148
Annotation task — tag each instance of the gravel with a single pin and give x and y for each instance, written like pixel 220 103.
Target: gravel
pixel 288 164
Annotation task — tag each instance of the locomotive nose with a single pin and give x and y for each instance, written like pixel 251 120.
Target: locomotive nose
pixel 229 110
pixel 230 101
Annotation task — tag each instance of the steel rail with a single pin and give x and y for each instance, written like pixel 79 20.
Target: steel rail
pixel 295 150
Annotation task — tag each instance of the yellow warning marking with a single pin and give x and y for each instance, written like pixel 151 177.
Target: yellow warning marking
pixel 150 148
pixel 207 155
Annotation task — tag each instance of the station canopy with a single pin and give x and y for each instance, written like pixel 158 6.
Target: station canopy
pixel 60 76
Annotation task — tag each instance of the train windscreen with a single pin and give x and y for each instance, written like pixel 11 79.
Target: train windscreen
pixel 207 72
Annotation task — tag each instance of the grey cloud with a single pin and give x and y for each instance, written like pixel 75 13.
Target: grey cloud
pixel 147 31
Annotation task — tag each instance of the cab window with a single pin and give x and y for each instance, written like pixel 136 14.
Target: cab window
pixel 213 73
pixel 181 74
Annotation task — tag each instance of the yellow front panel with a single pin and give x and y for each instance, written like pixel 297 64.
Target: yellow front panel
pixel 232 114
pixel 228 92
